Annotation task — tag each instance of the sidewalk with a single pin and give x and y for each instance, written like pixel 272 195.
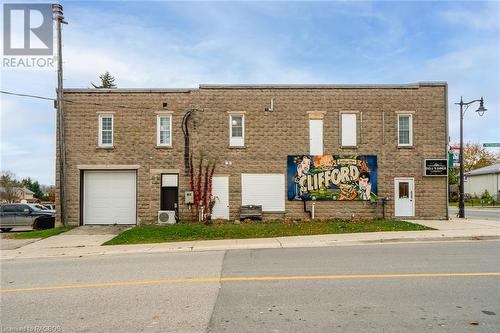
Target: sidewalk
pixel 69 245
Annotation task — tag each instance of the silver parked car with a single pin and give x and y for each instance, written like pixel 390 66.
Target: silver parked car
pixel 44 207
pixel 25 215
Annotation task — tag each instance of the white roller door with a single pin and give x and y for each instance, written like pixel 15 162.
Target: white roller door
pixel 109 197
pixel 266 189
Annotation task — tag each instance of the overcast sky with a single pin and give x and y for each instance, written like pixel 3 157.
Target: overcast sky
pixel 182 44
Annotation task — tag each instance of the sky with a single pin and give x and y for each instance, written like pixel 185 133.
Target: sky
pixel 183 44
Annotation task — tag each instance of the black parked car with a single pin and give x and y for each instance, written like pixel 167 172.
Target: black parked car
pixel 25 215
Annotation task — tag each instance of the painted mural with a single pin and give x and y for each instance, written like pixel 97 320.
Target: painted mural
pixel 332 177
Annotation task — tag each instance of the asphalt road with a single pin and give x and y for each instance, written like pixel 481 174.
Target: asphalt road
pixel 479 213
pixel 443 287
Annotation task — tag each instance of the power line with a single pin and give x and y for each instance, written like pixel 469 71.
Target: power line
pixel 103 105
pixel 26 95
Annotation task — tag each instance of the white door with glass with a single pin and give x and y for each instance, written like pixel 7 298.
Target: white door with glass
pixel 404 197
pixel 220 191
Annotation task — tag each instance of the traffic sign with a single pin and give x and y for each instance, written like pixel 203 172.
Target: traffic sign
pixel 491 144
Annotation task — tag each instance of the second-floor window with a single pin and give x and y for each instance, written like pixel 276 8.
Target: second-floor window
pixel 106 130
pixel 405 130
pixel 164 130
pixel 236 130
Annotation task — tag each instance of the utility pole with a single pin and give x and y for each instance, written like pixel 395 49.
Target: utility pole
pixel 461 202
pixel 57 11
pixel 480 111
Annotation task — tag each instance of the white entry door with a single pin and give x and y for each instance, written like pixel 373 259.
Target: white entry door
pixel 220 190
pixel 404 202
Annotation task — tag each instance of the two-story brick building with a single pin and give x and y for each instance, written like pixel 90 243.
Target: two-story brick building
pixel 344 146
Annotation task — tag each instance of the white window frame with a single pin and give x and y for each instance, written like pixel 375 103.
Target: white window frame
pixel 343 130
pixel 237 141
pixel 158 123
pixel 101 117
pixel 410 136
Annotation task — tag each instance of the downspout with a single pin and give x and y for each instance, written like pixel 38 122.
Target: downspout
pixel 305 208
pixel 185 131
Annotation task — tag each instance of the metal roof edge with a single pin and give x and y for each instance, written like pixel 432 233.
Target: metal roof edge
pixel 260 86
pixel 323 86
pixel 127 90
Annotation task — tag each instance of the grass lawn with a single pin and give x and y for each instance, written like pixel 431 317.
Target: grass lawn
pixel 196 231
pixel 40 233
pixel 476 204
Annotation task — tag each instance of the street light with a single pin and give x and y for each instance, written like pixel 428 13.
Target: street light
pixel 480 111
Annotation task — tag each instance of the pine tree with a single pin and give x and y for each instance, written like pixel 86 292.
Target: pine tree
pixel 107 81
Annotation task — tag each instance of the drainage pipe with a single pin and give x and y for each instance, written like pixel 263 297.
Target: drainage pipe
pixel 305 208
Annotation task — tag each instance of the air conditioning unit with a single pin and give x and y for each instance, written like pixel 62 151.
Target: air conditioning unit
pixel 166 217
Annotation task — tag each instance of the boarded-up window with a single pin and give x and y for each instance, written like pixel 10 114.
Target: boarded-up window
pixel 349 130
pixel 316 137
pixel 267 190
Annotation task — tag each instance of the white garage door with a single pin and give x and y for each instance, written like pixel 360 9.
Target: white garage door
pixel 109 197
pixel 265 189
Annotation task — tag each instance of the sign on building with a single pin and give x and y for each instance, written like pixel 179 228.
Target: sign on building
pixel 332 177
pixel 435 167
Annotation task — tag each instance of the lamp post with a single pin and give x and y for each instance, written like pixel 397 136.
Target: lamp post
pixel 480 111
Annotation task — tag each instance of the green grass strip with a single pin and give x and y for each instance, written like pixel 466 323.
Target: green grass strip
pixel 228 230
pixel 40 233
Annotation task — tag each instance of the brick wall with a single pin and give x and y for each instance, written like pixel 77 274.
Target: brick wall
pixel 269 138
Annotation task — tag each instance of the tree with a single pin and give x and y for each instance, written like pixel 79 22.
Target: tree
pixel 51 194
pixel 9 185
pixel 476 156
pixel 48 192
pixel 107 81
pixel 34 187
pixel 452 177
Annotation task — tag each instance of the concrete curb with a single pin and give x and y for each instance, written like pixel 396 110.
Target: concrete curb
pixel 84 243
pixel 434 239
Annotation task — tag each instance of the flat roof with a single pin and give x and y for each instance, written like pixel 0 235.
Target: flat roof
pixel 260 86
